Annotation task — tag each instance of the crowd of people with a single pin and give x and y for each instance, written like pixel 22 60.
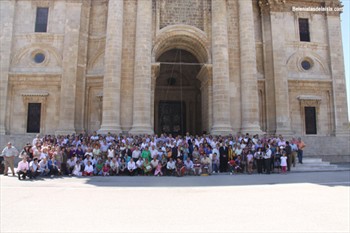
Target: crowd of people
pixel 153 155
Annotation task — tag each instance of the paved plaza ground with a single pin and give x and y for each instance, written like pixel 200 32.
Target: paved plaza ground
pixel 296 202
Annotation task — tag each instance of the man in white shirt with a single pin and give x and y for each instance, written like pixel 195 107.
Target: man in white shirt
pixel 154 151
pixel 9 153
pixel 94 137
pixel 136 153
pixel 139 166
pixel 34 168
pixel 170 167
pixel 131 167
pixel 44 167
pixel 154 164
pixel 267 160
pixel 70 165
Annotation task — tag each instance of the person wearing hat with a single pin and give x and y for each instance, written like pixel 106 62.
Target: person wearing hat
pixel 9 153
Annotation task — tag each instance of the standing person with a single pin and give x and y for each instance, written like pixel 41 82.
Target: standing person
pixel 9 153
pixel 294 154
pixel 259 160
pixel 250 161
pixel 284 163
pixel 223 158
pixel 267 158
pixel 288 150
pixel 301 145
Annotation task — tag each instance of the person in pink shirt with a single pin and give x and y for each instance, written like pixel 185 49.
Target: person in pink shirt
pixel 23 167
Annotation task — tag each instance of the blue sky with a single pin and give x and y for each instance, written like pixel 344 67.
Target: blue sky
pixel 345 16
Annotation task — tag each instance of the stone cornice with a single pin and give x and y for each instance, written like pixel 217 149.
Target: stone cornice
pixel 36 93
pixel 309 97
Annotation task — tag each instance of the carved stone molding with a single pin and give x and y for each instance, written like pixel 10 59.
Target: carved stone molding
pixel 309 100
pixel 267 6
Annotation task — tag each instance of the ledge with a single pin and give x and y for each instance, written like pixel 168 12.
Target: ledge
pixel 38 93
pixel 309 97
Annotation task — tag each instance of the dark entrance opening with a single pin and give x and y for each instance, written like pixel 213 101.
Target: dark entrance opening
pixel 172 117
pixel 177 98
pixel 33 118
pixel 310 120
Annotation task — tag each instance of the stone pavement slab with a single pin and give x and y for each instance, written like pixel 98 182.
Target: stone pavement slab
pixel 297 202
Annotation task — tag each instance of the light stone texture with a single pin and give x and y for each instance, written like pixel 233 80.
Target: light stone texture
pixel 112 68
pixel 104 68
pixel 221 106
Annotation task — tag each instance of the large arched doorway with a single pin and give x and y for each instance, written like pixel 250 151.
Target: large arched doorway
pixel 177 100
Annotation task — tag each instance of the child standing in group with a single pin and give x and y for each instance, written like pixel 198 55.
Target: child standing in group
pixel 284 163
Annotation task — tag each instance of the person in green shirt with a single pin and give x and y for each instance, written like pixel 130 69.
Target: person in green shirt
pixel 98 167
pixel 146 154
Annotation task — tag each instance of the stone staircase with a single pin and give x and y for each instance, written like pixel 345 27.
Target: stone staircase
pixel 311 164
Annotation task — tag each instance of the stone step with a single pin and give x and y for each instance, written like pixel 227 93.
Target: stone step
pixel 312 160
pixel 311 166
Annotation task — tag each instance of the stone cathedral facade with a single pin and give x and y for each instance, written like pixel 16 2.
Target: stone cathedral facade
pixel 175 66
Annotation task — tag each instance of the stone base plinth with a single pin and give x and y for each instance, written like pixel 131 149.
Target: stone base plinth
pixel 109 129
pixel 141 129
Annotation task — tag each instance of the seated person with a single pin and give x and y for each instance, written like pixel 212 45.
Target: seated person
pixel 139 166
pixel 131 167
pixel 70 165
pixel 105 169
pixel 232 166
pixel 170 167
pixel 77 169
pixel 44 167
pixel 147 167
pixel 180 168
pixel 122 167
pixel 114 165
pixel 205 165
pixel 98 167
pixel 23 167
pixel 52 163
pixel 158 170
pixel 89 169
pixel 34 168
pixel 197 167
pixel 188 166
pixel 154 164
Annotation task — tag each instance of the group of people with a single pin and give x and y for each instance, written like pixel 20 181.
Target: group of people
pixel 153 155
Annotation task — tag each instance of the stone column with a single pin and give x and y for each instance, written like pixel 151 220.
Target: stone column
pixel 221 100
pixel 155 73
pixel 341 124
pixel 7 16
pixel 69 64
pixel 280 73
pixel 249 82
pixel 112 69
pixel 142 74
